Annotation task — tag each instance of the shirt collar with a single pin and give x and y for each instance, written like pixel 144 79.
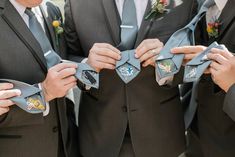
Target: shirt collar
pixel 221 4
pixel 20 8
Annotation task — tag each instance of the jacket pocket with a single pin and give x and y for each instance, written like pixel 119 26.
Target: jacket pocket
pixel 10 136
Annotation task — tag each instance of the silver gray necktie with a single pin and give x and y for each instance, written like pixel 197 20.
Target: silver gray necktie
pixel 191 110
pixel 129 26
pixel 85 73
pixel 31 99
pixel 129 66
pixel 168 64
pixel 35 27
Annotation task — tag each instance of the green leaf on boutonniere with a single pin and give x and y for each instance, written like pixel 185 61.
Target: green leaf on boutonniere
pixel 58 29
pixel 151 15
pixel 158 8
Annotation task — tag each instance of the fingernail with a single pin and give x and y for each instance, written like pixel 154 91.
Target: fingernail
pixel 18 92
pixel 10 85
pixel 136 55
pixel 172 50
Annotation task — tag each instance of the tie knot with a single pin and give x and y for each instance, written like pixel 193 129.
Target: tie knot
pixel 28 11
pixel 209 3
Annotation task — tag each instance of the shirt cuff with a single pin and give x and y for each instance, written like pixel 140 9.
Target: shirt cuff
pixel 46 112
pixel 165 81
pixel 84 60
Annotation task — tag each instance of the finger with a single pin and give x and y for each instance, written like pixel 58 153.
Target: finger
pixel 70 86
pixel 6 103
pixel 189 56
pixel 108 46
pixel 212 71
pixel 143 43
pixel 216 66
pixel 147 46
pixel 224 53
pixel 9 94
pixel 5 86
pixel 69 80
pixel 4 110
pixel 102 65
pixel 63 66
pixel 105 59
pixel 67 72
pixel 207 71
pixel 218 58
pixel 150 54
pixel 108 53
pixel 150 61
pixel 188 49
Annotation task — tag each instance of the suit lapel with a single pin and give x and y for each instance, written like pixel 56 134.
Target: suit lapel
pixel 14 20
pixel 113 19
pixel 48 23
pixel 145 26
pixel 227 16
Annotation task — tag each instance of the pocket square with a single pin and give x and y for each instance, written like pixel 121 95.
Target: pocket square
pixel 87 75
pixel 196 67
pixel 31 99
pixel 128 67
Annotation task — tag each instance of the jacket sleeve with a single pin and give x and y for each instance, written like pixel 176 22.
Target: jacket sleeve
pixel 229 103
pixel 75 52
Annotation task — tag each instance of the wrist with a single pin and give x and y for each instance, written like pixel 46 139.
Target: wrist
pixel 47 95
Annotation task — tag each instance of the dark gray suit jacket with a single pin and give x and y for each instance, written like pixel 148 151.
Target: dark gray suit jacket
pixel 23 134
pixel 154 113
pixel 229 103
pixel 214 125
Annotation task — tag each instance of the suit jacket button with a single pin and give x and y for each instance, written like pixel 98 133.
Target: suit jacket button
pixel 124 108
pixel 55 129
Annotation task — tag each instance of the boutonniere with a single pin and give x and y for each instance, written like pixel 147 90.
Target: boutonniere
pixel 213 28
pixel 58 29
pixel 158 8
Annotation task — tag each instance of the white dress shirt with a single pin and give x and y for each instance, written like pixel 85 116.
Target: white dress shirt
pixel 140 5
pixel 21 10
pixel 214 12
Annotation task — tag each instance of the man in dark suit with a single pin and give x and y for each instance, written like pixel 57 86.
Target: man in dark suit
pixel 136 119
pixel 224 65
pixel 23 134
pixel 213 123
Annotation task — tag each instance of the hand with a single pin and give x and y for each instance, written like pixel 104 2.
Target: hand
pixel 189 51
pixel 6 92
pixel 103 56
pixel 148 50
pixel 59 80
pixel 222 68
